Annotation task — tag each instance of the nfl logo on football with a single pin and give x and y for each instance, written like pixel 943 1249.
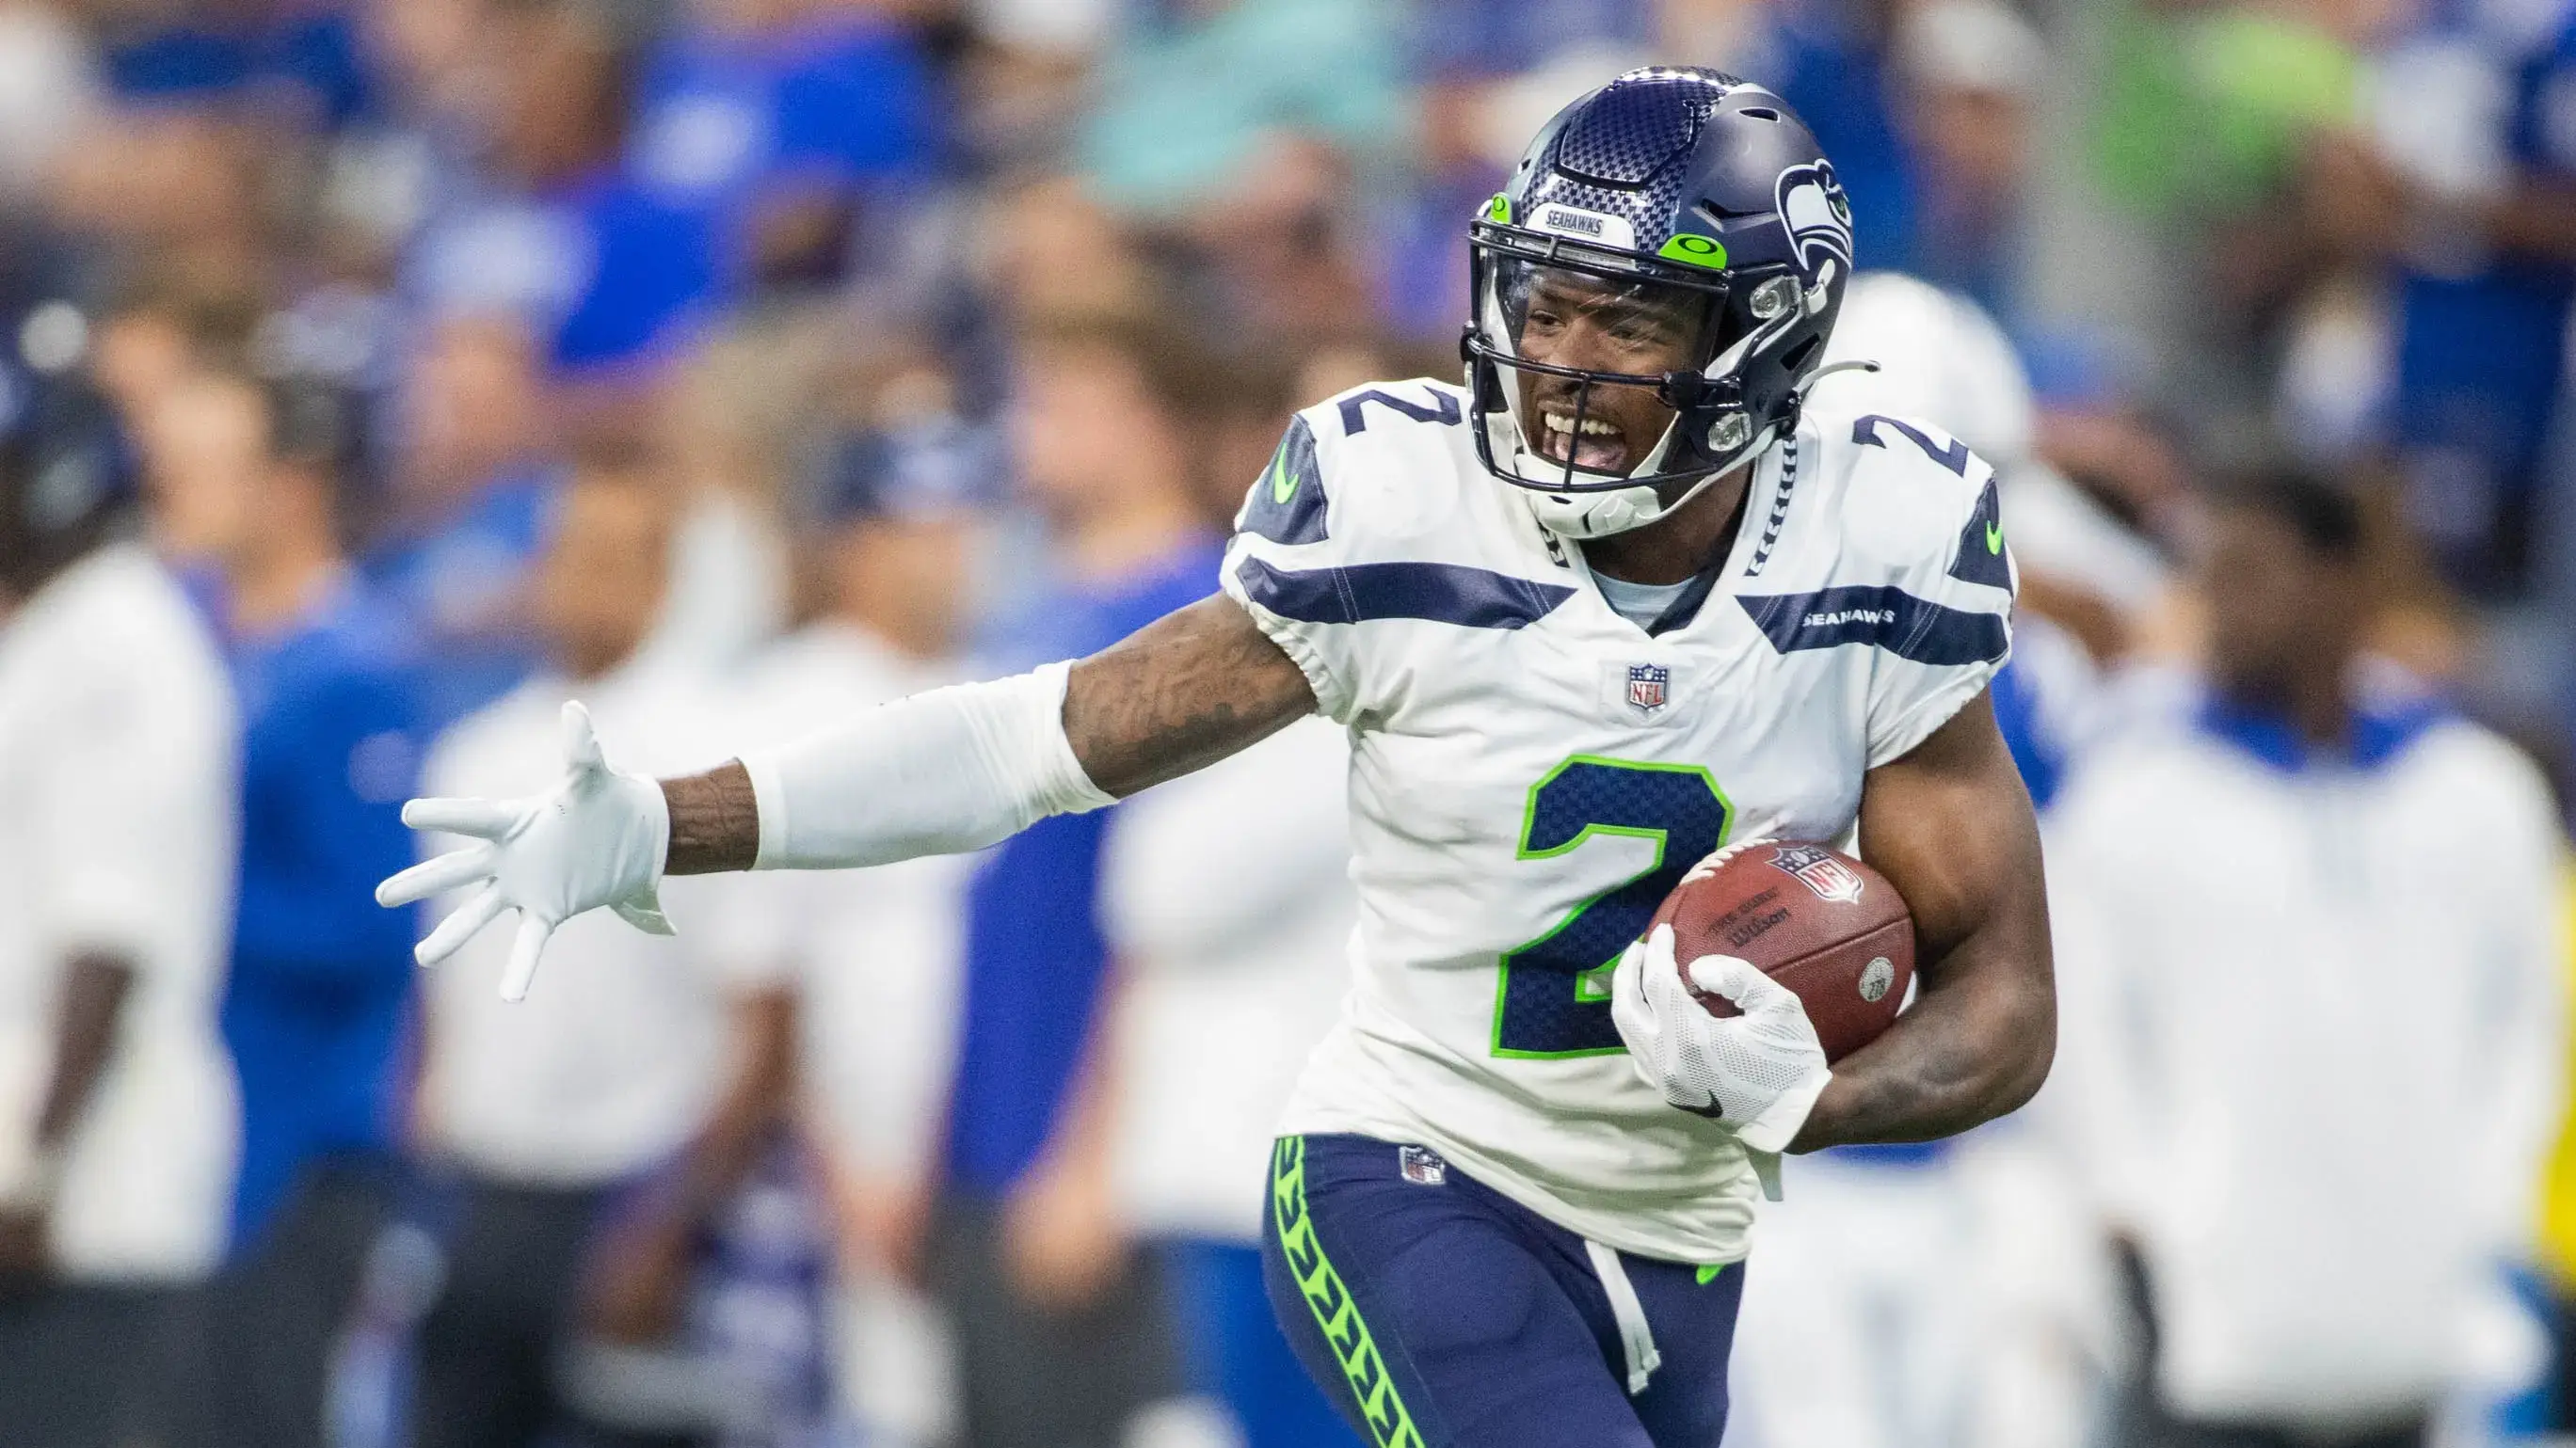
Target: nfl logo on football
pixel 1649 687
pixel 1820 872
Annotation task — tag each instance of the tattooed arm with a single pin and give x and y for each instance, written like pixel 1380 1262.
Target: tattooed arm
pixel 1950 826
pixel 1178 695
pixel 715 822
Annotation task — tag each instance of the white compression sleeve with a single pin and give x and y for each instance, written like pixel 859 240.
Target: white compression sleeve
pixel 940 773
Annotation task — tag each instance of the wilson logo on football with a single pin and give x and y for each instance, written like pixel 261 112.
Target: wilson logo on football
pixel 1819 871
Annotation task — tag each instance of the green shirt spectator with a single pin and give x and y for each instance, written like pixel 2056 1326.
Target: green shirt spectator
pixel 1186 104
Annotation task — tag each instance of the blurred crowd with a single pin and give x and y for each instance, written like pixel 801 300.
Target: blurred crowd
pixel 375 375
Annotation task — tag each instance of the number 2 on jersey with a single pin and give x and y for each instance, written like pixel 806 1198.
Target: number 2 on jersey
pixel 1554 995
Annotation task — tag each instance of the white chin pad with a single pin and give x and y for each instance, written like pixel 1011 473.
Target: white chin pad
pixel 1619 510
pixel 1595 515
pixel 1573 515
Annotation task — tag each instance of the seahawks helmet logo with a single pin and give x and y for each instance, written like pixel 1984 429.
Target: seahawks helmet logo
pixel 1817 214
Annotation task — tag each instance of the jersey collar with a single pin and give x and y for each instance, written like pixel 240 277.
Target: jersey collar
pixel 2382 729
pixel 1756 531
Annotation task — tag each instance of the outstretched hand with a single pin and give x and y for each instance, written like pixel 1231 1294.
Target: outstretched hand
pixel 596 839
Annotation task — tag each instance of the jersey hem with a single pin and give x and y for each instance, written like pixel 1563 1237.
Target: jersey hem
pixel 1927 716
pixel 1605 1228
pixel 1331 699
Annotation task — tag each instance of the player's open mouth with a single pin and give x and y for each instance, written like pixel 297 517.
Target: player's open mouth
pixel 1598 446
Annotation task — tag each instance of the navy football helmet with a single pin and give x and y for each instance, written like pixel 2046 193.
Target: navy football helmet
pixel 1693 210
pixel 67 474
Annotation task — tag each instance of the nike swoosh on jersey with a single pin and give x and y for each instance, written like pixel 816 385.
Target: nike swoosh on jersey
pixel 1980 558
pixel 1287 504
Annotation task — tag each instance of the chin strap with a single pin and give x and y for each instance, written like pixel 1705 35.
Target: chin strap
pixel 1784 424
pixel 1808 383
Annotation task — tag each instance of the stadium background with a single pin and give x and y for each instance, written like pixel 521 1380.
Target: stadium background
pixel 1040 281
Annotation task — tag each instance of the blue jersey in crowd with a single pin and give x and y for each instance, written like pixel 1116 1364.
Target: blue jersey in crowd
pixel 1035 956
pixel 1471 39
pixel 2481 346
pixel 852 95
pixel 310 58
pixel 607 274
pixel 1837 83
pixel 463 584
pixel 2020 714
pixel 724 120
pixel 320 976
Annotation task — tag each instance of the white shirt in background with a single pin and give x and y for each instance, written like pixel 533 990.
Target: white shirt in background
pixel 876 954
pixel 728 592
pixel 1228 904
pixel 623 1043
pixel 117 835
pixel 2309 1051
pixel 50 91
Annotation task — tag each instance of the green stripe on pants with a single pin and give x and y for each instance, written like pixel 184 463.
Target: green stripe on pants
pixel 1330 1301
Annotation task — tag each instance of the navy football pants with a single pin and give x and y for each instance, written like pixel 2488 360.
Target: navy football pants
pixel 1437 1313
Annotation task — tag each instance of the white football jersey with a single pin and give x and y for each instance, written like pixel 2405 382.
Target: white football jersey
pixel 1531 772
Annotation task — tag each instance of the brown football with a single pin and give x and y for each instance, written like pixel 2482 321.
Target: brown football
pixel 1812 918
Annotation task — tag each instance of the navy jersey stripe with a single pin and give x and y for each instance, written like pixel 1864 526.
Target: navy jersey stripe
pixel 1437 592
pixel 1287 502
pixel 1882 617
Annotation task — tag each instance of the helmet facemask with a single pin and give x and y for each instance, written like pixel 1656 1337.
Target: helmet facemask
pixel 1607 388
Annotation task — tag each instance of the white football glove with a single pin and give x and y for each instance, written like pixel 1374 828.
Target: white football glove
pixel 1759 1072
pixel 596 839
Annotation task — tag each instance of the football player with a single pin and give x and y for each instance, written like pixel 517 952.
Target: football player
pixel 1607 608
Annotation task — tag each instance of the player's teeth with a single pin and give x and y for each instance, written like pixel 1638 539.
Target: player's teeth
pixel 1592 426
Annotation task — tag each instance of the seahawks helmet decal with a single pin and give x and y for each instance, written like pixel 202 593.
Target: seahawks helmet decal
pixel 1812 205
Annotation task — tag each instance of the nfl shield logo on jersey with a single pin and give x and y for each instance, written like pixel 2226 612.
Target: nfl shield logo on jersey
pixel 1648 687
pixel 1421 1166
pixel 1819 871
